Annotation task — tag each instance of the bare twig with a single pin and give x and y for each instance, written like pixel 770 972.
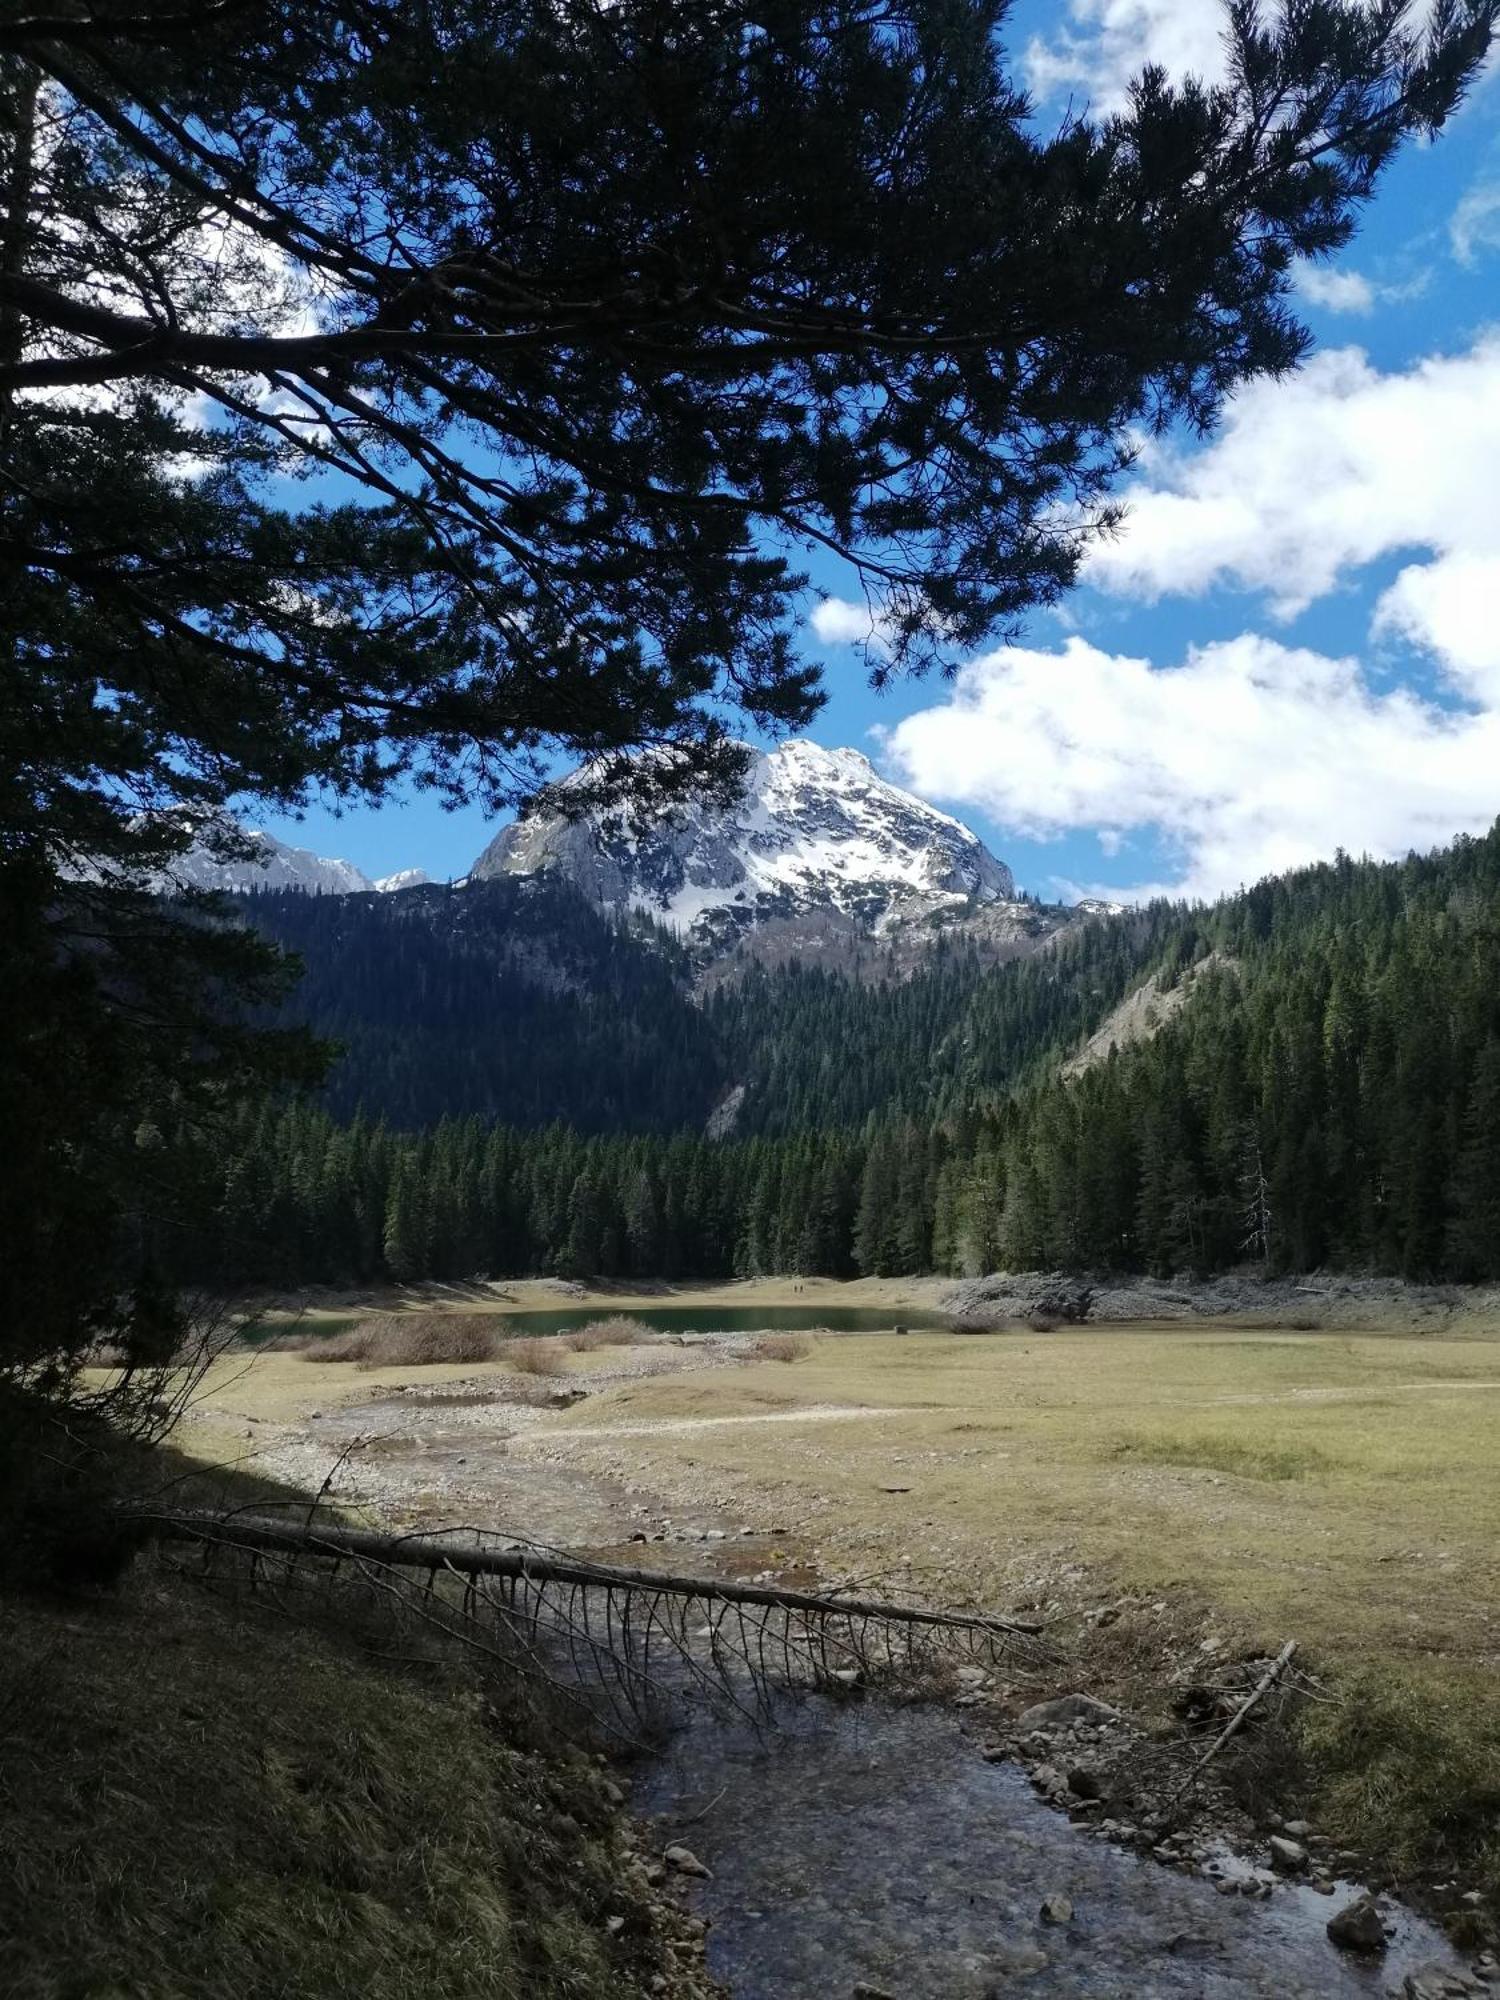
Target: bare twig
pixel 1236 1722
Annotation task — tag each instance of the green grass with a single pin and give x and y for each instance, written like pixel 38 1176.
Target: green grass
pixel 1223 1454
pixel 1411 1754
pixel 202 1798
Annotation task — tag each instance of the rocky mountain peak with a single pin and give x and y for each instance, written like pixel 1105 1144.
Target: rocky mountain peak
pixel 816 835
pixel 272 864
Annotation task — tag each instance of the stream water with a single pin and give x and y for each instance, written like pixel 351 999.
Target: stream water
pixel 860 1842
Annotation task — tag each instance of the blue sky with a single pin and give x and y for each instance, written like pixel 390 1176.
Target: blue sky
pixel 1295 644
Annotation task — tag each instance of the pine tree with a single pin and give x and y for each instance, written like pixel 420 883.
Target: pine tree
pixel 1474 1190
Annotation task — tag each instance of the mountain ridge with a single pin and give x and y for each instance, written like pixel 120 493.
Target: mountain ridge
pixel 818 856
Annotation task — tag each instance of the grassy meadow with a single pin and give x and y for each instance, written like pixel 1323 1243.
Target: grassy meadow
pixel 1244 1484
pixel 1340 1490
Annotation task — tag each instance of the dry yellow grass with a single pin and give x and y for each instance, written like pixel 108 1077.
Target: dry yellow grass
pixel 1341 1490
pixel 1341 1485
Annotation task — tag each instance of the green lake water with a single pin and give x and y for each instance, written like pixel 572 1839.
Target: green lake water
pixel 733 1319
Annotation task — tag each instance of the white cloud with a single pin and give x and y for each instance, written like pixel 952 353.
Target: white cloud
pixel 1249 758
pixel 1475 225
pixel 837 622
pixel 1104 44
pixel 1316 475
pixel 1109 42
pixel 1452 609
pixel 1336 291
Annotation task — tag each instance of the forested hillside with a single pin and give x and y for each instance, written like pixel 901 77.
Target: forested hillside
pixel 515 999
pixel 1329 1094
pixel 508 999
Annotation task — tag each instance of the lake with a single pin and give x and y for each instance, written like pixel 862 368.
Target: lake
pixel 734 1319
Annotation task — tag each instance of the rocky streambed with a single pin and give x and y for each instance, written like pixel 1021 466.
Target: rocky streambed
pixel 860 1848
pixel 865 1851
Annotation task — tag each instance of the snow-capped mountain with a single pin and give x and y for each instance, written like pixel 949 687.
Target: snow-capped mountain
pixel 818 848
pixel 274 865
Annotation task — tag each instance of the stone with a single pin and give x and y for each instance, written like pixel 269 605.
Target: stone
pixel 1358 1926
pixel 1047 1778
pixel 1056 1909
pixel 1437 1982
pixel 1065 1709
pixel 1288 1857
pixel 1084 1784
pixel 972 1677
pixel 686 1862
pixel 862 1989
pixel 1299 1829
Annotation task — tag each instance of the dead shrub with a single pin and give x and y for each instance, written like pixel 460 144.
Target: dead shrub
pixel 781 1347
pixel 416 1340
pixel 532 1355
pixel 616 1331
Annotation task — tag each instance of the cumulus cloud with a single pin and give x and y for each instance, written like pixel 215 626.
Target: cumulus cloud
pixel 1248 758
pixel 1336 291
pixel 1452 610
pixel 837 622
pixel 1106 43
pixel 1314 476
pixel 1475 225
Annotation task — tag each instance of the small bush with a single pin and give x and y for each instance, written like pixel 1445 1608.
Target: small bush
pixel 418 1340
pixel 781 1347
pixel 1044 1322
pixel 533 1356
pixel 616 1331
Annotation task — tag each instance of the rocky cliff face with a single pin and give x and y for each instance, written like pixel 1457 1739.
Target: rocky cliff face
pixel 819 852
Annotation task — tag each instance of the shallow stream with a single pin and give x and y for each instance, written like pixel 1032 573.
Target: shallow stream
pixel 860 1842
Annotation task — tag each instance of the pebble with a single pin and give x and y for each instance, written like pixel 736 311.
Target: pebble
pixel 1437 1982
pixel 686 1862
pixel 1056 1909
pixel 1065 1709
pixel 1288 1856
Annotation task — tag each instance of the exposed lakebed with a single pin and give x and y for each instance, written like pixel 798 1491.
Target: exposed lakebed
pixel 865 1842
